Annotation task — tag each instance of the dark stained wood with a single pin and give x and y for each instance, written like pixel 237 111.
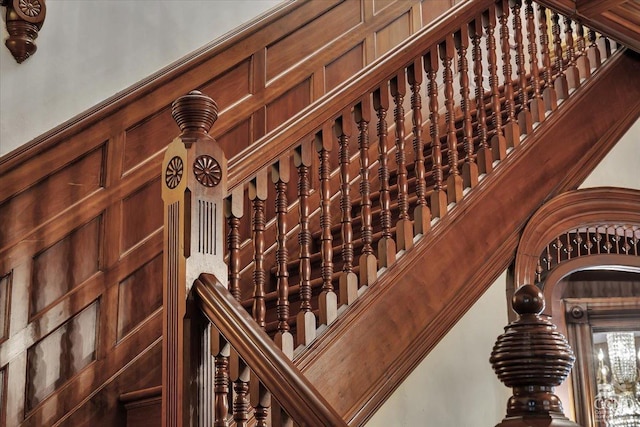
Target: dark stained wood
pixel 511 129
pixel 485 155
pixel 295 393
pixel 24 21
pixel 533 358
pixel 372 321
pixel 498 141
pixel 469 168
pixel 536 105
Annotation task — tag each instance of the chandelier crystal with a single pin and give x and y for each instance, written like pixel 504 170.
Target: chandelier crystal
pixel 618 388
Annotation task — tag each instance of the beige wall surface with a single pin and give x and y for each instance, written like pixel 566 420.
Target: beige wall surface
pixel 90 50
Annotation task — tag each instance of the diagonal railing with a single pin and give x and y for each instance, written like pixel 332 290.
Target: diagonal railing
pixel 295 280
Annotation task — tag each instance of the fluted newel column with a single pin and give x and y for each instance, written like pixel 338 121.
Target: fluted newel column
pixel 194 187
pixel 533 358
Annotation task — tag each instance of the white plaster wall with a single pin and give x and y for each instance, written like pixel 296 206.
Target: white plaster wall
pixel 455 386
pixel 90 50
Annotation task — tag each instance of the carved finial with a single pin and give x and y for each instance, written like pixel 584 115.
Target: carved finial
pixel 24 19
pixel 194 113
pixel 532 357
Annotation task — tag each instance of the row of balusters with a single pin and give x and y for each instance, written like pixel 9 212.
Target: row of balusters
pixel 475 136
pixel 594 240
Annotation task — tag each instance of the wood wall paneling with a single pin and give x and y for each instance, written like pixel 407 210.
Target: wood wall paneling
pixel 49 197
pixel 236 139
pixel 5 293
pixel 343 67
pixel 141 215
pixel 288 51
pixel 148 138
pixel 139 296
pixel 3 394
pixel 60 355
pixel 288 104
pixel 65 265
pixel 389 36
pixel 431 9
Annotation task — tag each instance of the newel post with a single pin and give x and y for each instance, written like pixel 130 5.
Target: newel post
pixel 533 358
pixel 193 189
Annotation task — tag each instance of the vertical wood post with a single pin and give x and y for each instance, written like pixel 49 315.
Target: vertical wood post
pixel 193 190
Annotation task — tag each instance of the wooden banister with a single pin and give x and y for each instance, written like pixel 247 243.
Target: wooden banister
pixel 292 390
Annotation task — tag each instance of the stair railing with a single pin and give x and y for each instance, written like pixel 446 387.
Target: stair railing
pixel 287 297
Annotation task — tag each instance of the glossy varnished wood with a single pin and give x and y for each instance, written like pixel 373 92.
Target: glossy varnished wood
pixel 371 321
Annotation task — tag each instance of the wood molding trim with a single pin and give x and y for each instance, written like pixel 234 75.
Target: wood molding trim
pixel 291 389
pixel 427 312
pixel 568 211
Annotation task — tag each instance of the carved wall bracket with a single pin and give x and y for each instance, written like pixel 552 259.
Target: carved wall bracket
pixel 24 18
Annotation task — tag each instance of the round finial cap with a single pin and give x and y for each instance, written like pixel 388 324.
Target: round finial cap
pixel 194 112
pixel 528 299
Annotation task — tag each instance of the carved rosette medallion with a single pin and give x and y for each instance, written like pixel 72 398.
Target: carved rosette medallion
pixel 29 8
pixel 173 174
pixel 207 171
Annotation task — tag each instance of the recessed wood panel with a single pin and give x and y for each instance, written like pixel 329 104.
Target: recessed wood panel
pixel 379 5
pixel 431 9
pixel 344 67
pixel 5 292
pixel 288 104
pixel 3 393
pixel 308 38
pixel 230 87
pixel 51 196
pixel 139 295
pixel 146 139
pixel 65 265
pixel 236 140
pixel 141 214
pixel 60 355
pixel 391 35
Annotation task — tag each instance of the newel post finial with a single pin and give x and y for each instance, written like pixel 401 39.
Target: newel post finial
pixel 533 358
pixel 195 114
pixel 194 187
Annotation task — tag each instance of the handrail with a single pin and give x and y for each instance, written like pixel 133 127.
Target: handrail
pixel 296 394
pixel 269 148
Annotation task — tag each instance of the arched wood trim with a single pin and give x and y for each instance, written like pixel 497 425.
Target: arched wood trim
pixel 568 211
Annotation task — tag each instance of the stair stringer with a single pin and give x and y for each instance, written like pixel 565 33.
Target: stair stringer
pixel 358 362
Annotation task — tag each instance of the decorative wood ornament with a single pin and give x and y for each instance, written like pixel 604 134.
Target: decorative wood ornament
pixel 549 94
pixel 368 262
pixel 533 358
pixel 498 141
pixel 421 213
pixel 24 18
pixel 193 243
pixel 536 104
pixel 469 168
pixel 484 156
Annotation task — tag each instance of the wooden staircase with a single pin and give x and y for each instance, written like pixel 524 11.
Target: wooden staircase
pixel 382 315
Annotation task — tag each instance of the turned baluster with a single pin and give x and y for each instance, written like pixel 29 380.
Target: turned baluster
pixel 280 175
pixel 421 213
pixel 560 84
pixel 260 400
pixel 582 61
pixel 484 156
pixel 469 168
pixel 258 195
pixel 368 262
pixel 604 44
pixel 234 206
pixel 524 115
pixel 498 141
pixel 593 53
pixel 305 321
pixel 348 279
pixel 454 181
pixel 404 227
pixel 220 352
pixel 571 72
pixel 536 104
pixel 511 128
pixel 549 94
pixel 386 244
pixel 328 300
pixel 438 196
pixel 239 375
